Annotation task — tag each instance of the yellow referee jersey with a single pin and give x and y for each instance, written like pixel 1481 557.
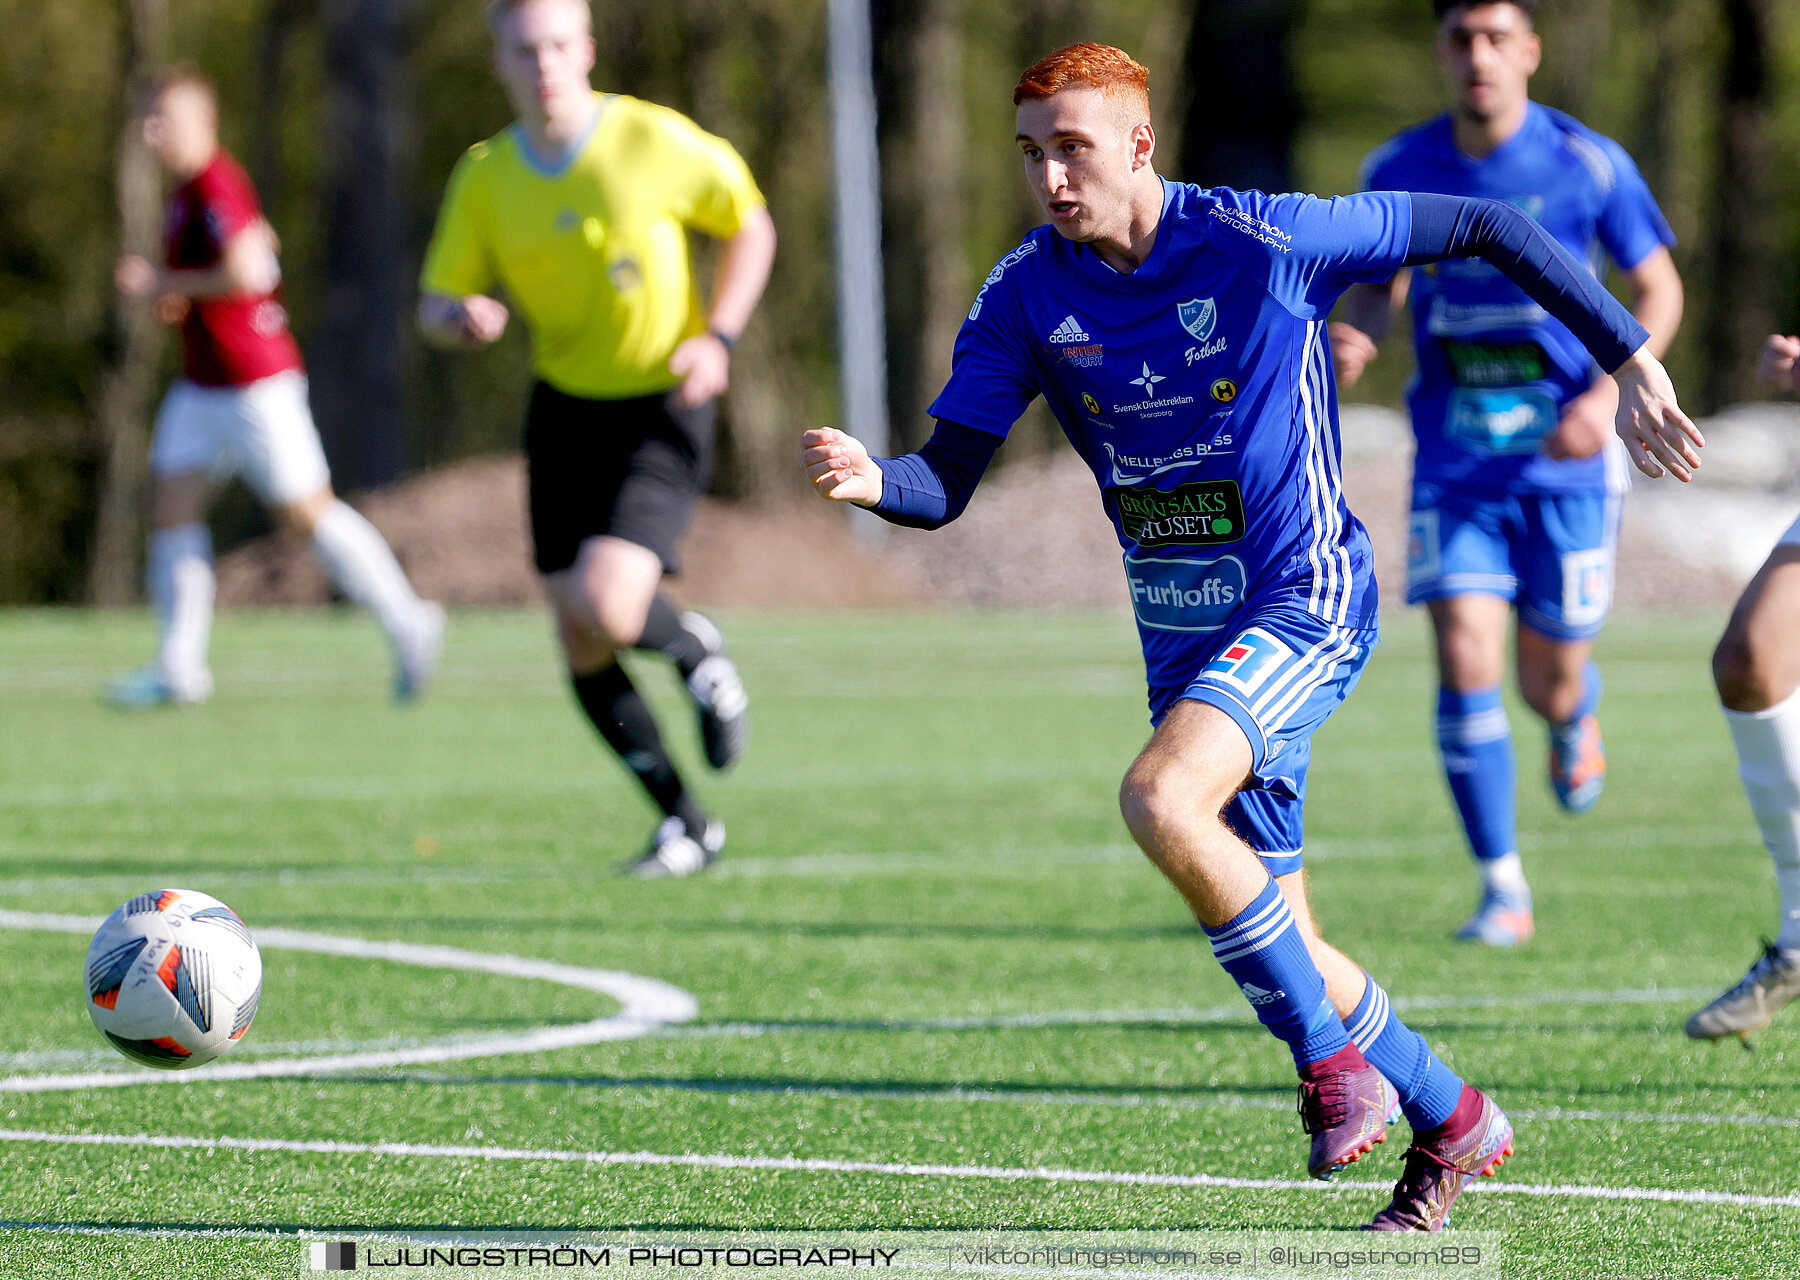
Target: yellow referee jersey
pixel 594 255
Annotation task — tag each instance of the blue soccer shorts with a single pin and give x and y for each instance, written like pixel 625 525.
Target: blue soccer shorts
pixel 1278 673
pixel 1551 554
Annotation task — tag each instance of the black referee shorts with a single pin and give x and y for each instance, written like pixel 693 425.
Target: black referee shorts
pixel 629 469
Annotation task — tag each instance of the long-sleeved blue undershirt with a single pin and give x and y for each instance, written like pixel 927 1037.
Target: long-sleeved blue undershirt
pixel 930 488
pixel 1457 227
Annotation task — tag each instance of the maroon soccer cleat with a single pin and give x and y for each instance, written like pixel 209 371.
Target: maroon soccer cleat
pixel 1344 1105
pixel 1473 1143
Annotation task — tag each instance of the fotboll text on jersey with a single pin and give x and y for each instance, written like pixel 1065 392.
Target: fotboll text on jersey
pixel 1207 352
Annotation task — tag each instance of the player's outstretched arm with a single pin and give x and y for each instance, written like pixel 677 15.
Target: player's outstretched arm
pixel 839 467
pixel 247 265
pixel 1779 361
pixel 1657 301
pixel 474 321
pixel 1658 436
pixel 923 490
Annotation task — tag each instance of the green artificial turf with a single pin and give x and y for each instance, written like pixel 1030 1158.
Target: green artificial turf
pixel 930 943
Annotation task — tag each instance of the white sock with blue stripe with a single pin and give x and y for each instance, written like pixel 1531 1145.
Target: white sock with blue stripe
pixel 1428 1089
pixel 1261 948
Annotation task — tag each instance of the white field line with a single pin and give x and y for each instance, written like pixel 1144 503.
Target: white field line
pixel 959 1094
pixel 1225 1013
pixel 416 873
pixel 973 862
pixel 652 1008
pixel 365 1053
pixel 796 1164
pixel 885 773
pixel 1005 860
pixel 645 1005
pixel 1008 859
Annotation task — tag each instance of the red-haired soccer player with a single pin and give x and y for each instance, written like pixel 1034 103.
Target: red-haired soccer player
pixel 239 409
pixel 1178 335
pixel 1757 670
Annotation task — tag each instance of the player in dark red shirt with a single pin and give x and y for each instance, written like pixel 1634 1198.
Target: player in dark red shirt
pixel 228 339
pixel 240 409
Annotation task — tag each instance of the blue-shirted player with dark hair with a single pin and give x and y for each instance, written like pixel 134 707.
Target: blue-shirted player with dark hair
pixel 1178 335
pixel 1517 482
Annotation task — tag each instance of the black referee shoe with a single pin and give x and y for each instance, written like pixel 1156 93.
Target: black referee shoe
pixel 718 694
pixel 674 851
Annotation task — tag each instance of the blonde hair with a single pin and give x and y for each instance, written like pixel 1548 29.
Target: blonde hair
pixel 183 75
pixel 498 9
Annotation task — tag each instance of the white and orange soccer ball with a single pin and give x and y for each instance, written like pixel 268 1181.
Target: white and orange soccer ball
pixel 173 978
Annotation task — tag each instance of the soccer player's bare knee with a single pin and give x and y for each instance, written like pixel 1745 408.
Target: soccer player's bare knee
pixel 1741 674
pixel 1182 836
pixel 1172 796
pixel 1158 807
pixel 610 588
pixel 608 616
pixel 1756 664
pixel 584 652
pixel 302 515
pixel 1471 641
pixel 1731 669
pixel 178 499
pixel 1551 676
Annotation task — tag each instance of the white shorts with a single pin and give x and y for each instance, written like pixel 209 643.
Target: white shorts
pixel 262 431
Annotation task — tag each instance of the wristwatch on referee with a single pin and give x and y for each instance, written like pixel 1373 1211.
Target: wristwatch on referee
pixel 725 339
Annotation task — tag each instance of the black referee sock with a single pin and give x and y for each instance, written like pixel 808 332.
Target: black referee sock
pixel 664 633
pixel 623 719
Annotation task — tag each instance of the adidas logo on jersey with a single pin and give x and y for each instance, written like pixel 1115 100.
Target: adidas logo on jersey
pixel 1256 995
pixel 1069 330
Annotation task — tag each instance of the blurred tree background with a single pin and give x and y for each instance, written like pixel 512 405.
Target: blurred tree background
pixel 350 114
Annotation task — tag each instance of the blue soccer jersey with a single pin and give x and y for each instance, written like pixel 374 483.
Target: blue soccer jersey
pixel 1199 391
pixel 1495 370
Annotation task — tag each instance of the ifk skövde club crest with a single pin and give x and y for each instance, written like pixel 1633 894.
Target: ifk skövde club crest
pixel 1198 316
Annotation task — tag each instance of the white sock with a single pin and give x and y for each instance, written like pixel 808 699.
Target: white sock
pixel 179 575
pixel 1506 874
pixel 1768 749
pixel 360 562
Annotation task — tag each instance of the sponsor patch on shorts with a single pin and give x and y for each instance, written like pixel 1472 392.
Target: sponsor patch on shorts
pixel 1587 586
pixel 1247 662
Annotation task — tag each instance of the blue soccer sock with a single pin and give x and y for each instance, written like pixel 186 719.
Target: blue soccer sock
pixel 1261 948
pixel 1428 1089
pixel 1475 741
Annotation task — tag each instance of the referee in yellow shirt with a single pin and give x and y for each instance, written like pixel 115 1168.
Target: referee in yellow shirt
pixel 578 215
